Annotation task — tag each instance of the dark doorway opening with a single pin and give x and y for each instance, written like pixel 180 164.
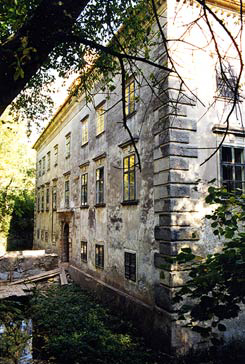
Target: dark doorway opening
pixel 66 244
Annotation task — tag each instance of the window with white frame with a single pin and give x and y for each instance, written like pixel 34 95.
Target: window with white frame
pixel 100 119
pixel 84 131
pixel 233 167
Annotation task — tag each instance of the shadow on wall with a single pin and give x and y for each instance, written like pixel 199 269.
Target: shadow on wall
pixel 20 234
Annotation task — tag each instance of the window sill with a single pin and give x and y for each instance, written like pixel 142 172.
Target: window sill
pixel 131 114
pixel 98 135
pixel 84 145
pixel 98 267
pixel 100 205
pixel 127 203
pixel 84 206
pixel 84 261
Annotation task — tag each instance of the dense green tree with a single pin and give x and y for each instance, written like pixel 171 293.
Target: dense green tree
pixel 17 171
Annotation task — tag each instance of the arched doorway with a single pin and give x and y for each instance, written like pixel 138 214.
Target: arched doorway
pixel 66 243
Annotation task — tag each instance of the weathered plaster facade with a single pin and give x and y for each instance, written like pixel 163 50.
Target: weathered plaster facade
pixel 174 133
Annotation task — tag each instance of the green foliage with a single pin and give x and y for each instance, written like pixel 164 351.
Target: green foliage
pixel 71 327
pixel 217 284
pixel 14 339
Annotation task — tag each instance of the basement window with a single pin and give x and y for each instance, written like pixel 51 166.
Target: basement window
pixel 84 251
pixel 130 266
pixel 99 256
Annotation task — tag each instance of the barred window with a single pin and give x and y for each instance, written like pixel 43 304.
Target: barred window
pixel 130 266
pixel 99 256
pixel 67 194
pixel 100 185
pixel 130 97
pixel 84 189
pixel 100 119
pixel 129 181
pixel 84 251
pixel 233 167
pixel 85 131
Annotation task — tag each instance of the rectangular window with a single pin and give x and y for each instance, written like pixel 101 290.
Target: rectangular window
pixel 42 234
pixel 100 119
pixel 129 181
pixel 46 236
pixel 100 185
pixel 40 168
pixel 42 201
pixel 48 161
pixel 84 189
pixel 67 194
pixel 85 131
pixel 84 251
pixel 38 233
pixel 233 167
pixel 38 202
pixel 99 256
pixel 68 145
pixel 130 97
pixel 130 266
pixel 56 155
pixel 54 201
pixel 47 198
pixel 44 165
pixel 226 80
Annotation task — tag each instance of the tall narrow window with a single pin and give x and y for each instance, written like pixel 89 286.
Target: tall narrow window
pixel 44 159
pixel 56 155
pixel 130 266
pixel 42 201
pixel 68 145
pixel 100 119
pixel 100 185
pixel 130 97
pixel 48 161
pixel 129 181
pixel 54 198
pixel 40 168
pixel 38 202
pixel 99 256
pixel 47 198
pixel 85 131
pixel 67 194
pixel 84 189
pixel 84 251
pixel 233 167
pixel 46 236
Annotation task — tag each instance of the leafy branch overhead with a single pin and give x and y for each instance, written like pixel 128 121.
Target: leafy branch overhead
pixel 217 283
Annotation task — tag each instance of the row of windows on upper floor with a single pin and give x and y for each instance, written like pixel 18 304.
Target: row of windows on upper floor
pixel 100 128
pixel 129 187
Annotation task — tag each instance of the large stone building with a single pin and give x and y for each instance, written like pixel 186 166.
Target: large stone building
pixel 115 224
